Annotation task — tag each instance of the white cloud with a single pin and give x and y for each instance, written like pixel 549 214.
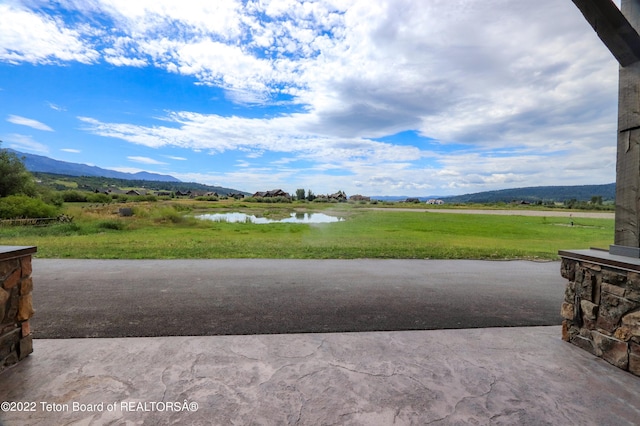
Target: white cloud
pixel 144 160
pixel 71 150
pixel 34 124
pixel 253 179
pixel 126 169
pixel 121 61
pixel 218 134
pixel 456 70
pixel 26 36
pixel 26 143
pixel 56 107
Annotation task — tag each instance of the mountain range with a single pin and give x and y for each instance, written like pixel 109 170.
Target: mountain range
pixel 533 194
pixel 39 163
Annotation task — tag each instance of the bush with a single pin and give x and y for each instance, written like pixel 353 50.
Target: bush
pixel 168 214
pixel 74 197
pixel 98 198
pixel 51 197
pixel 21 206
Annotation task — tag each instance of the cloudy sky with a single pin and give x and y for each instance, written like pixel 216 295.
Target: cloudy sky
pixel 385 97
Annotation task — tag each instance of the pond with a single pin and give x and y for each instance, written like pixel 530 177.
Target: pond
pixel 293 218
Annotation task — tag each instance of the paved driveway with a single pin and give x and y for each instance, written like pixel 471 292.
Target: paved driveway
pixel 122 298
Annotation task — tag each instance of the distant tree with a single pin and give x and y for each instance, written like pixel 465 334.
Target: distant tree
pixel 300 194
pixel 597 200
pixel 310 195
pixel 14 177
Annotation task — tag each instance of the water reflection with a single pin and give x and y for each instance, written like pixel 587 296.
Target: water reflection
pixel 293 218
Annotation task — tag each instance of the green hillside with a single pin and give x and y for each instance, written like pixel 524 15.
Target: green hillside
pixel 540 194
pixel 91 183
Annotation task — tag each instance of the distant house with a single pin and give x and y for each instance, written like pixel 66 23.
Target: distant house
pixel 134 192
pixel 183 193
pixel 237 196
pixel 359 197
pixel 163 193
pixel 412 200
pixel 340 196
pixel 271 194
pixel 433 201
pixel 108 191
pixel 194 194
pixel 277 193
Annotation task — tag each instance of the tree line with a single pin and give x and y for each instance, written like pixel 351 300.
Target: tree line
pixel 19 194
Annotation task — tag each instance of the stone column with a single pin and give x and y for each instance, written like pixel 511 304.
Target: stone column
pixel 16 305
pixel 601 307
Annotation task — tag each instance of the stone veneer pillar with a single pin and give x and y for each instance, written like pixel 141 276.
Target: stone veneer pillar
pixel 16 305
pixel 601 307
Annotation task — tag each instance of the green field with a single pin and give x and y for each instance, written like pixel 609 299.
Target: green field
pixel 168 230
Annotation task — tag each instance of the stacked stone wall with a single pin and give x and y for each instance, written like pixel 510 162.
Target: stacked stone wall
pixel 16 307
pixel 601 311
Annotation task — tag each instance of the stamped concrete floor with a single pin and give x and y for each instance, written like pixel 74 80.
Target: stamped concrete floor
pixel 498 376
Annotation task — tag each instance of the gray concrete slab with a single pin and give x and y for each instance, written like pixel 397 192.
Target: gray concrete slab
pixel 138 298
pixel 498 376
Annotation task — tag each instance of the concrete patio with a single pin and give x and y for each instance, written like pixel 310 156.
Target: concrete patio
pixel 525 376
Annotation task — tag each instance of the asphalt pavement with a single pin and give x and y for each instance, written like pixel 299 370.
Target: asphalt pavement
pixel 147 298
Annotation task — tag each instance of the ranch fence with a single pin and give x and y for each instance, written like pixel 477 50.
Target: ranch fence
pixel 37 221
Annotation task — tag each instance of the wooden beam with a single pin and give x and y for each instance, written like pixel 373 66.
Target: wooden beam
pixel 627 228
pixel 613 28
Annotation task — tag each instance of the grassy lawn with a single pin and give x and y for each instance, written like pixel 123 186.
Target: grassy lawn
pixel 168 230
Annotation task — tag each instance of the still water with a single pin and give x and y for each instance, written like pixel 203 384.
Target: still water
pixel 293 218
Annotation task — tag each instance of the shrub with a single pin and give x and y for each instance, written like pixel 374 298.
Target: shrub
pixel 74 197
pixel 98 198
pixel 21 206
pixel 168 214
pixel 53 198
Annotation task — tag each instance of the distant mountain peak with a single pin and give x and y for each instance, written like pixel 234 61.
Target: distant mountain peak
pixel 40 163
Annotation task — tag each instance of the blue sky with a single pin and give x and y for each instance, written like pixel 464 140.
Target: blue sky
pixel 395 97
